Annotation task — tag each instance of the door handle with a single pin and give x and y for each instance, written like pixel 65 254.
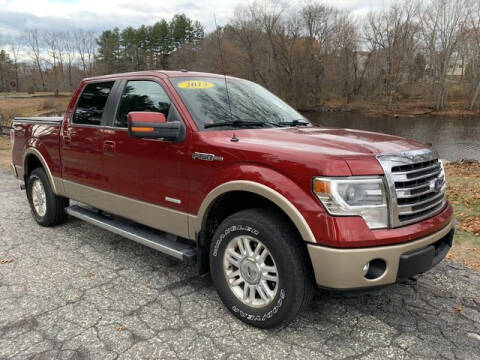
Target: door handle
pixel 66 139
pixel 108 146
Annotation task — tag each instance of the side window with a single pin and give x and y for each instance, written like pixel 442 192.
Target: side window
pixel 142 95
pixel 91 103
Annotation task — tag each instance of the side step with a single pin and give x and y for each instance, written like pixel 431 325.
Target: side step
pixel 162 242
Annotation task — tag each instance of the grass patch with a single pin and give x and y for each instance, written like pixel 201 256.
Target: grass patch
pixel 466 249
pixel 465 238
pixel 10 108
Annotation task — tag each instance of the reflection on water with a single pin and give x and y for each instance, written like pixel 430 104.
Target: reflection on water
pixel 455 138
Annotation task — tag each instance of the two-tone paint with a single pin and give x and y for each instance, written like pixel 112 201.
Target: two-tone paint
pixel 164 185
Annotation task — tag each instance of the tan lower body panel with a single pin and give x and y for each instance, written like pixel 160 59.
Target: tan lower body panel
pixel 157 217
pixel 342 268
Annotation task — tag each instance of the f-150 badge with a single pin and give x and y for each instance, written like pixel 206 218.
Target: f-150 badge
pixel 206 157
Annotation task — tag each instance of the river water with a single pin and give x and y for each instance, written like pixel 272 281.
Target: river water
pixel 454 138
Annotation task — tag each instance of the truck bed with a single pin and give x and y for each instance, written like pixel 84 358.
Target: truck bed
pixel 41 134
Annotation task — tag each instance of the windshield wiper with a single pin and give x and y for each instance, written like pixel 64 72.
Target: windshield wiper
pixel 295 123
pixel 235 123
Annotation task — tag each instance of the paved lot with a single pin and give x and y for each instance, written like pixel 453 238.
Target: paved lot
pixel 77 292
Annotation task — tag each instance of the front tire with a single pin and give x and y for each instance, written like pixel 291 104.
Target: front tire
pixel 47 208
pixel 261 268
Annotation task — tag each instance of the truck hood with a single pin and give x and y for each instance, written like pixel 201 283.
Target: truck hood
pixel 321 151
pixel 345 143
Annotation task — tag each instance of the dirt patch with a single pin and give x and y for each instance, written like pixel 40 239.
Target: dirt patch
pixel 5 152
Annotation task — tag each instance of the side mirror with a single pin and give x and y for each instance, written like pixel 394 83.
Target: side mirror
pixel 152 125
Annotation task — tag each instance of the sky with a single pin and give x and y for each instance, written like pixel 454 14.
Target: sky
pixel 61 15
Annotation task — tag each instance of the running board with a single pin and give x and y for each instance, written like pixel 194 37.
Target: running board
pixel 162 242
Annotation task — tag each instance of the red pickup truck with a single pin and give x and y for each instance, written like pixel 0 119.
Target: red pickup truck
pixel 219 172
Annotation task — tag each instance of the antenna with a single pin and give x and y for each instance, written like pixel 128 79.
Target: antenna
pixel 220 49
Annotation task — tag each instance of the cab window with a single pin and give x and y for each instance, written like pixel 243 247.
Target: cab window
pixel 91 104
pixel 143 95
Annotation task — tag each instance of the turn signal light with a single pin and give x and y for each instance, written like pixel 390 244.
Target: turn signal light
pixel 142 129
pixel 320 186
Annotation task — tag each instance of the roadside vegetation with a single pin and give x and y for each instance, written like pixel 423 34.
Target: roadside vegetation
pixel 15 105
pixel 464 192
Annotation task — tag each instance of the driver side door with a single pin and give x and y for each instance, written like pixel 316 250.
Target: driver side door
pixel 147 170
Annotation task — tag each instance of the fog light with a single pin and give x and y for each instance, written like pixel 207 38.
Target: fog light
pixel 366 268
pixel 374 269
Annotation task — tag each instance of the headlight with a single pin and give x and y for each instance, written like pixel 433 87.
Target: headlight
pixel 363 197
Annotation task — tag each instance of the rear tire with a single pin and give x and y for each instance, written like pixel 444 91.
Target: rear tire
pixel 257 251
pixel 47 208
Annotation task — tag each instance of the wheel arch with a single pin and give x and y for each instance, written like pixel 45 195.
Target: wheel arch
pixel 32 159
pixel 253 191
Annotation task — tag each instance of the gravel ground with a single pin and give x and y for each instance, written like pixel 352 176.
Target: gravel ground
pixel 78 292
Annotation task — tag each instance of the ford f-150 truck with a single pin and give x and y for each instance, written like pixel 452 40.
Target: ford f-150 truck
pixel 219 172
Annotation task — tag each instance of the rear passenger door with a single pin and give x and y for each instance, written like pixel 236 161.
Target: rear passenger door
pixel 82 137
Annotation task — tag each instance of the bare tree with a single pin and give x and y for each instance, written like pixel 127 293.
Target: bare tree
pixel 14 45
pixel 269 16
pixel 33 43
pixel 69 52
pixel 52 41
pixel 318 24
pixel 444 23
pixel 346 42
pixel 247 32
pixel 473 50
pixel 86 46
pixel 391 34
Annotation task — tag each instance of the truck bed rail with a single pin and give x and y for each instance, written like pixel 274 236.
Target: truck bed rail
pixel 46 120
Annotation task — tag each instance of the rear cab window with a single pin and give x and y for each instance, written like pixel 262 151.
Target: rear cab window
pixel 91 104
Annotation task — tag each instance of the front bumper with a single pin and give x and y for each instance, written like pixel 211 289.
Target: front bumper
pixel 343 268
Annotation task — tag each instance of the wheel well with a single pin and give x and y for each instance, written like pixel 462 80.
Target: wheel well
pixel 31 164
pixel 235 201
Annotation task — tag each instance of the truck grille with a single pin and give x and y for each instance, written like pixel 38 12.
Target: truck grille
pixel 416 182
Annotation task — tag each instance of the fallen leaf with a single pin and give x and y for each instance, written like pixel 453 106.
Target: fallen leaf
pixel 6 261
pixel 459 309
pixel 90 275
pixel 121 328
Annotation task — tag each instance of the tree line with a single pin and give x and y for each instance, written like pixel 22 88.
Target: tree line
pixel 314 53
pixel 58 60
pixel 308 54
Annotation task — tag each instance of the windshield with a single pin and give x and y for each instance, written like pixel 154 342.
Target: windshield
pixel 250 104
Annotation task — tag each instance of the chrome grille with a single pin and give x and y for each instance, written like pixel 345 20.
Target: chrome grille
pixel 416 182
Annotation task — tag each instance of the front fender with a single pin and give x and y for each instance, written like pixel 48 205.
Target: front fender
pixel 273 186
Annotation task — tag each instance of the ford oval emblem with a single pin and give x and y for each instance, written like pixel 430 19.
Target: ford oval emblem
pixel 436 185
